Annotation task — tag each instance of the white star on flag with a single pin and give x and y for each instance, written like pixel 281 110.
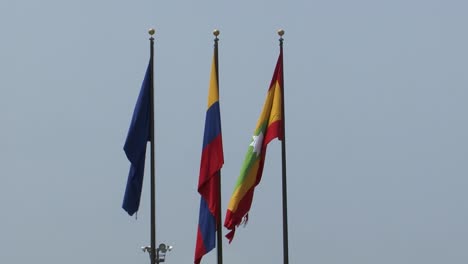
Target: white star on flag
pixel 257 143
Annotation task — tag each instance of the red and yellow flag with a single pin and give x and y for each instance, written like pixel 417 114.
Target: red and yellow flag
pixel 269 126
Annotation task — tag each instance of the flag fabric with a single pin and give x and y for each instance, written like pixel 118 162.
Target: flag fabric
pixel 135 145
pixel 212 160
pixel 269 126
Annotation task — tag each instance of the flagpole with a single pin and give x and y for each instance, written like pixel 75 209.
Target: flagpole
pixel 154 258
pixel 219 238
pixel 283 160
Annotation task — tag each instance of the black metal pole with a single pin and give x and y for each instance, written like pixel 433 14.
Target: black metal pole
pixel 153 180
pixel 283 160
pixel 219 238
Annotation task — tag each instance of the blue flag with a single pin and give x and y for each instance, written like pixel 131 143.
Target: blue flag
pixel 135 146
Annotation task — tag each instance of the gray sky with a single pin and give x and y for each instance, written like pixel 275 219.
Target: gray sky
pixel 376 115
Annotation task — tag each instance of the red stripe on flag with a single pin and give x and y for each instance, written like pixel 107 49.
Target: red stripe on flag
pixel 211 163
pixel 200 250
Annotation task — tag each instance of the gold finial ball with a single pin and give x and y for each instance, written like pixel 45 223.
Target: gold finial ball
pixel 151 31
pixel 216 32
pixel 280 32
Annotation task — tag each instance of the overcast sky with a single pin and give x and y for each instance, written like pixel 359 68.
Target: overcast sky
pixel 376 125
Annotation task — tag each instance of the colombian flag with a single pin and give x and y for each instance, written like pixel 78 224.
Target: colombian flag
pixel 211 162
pixel 269 126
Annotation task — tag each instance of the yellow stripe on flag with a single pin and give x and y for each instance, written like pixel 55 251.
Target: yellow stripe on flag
pixel 247 184
pixel 213 95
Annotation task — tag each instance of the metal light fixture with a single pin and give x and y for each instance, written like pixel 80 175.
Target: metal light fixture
pixel 161 251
